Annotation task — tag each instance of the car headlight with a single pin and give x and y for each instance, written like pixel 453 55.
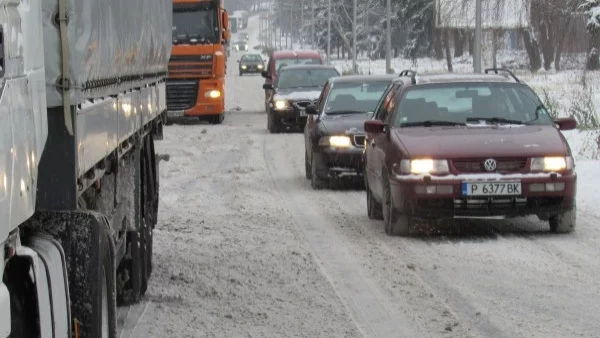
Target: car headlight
pixel 552 163
pixel 424 166
pixel 335 141
pixel 259 66
pixel 280 105
pixel 213 94
pixel 244 67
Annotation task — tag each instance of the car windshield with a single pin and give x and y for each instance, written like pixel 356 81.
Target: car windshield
pixel 470 103
pixel 288 62
pixel 302 78
pixel 252 58
pixel 193 21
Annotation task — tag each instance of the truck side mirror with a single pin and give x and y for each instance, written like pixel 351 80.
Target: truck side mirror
pixel 225 20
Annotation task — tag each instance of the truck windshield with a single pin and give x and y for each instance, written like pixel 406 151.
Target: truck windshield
pixel 195 23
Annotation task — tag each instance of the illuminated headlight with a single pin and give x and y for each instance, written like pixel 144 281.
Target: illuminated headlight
pixel 280 105
pixel 552 163
pixel 424 166
pixel 335 141
pixel 213 94
pixel 237 48
pixel 244 66
pixel 259 66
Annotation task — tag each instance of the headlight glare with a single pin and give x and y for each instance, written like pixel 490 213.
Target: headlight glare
pixel 213 94
pixel 424 166
pixel 280 105
pixel 244 67
pixel 552 163
pixel 335 141
pixel 259 66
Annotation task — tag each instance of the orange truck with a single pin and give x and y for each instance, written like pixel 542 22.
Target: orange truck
pixel 196 82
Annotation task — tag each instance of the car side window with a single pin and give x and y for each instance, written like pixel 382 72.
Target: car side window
pixel 383 110
pixel 392 103
pixel 323 97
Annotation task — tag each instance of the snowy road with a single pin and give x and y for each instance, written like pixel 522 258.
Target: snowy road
pixel 245 248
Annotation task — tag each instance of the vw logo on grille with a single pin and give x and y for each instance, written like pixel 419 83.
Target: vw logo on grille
pixel 489 164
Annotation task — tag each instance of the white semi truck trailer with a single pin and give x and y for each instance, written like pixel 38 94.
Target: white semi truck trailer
pixel 82 100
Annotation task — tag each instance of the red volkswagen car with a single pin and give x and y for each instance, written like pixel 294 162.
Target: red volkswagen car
pixel 467 146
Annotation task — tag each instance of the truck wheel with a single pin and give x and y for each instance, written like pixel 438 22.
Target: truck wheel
pixel 217 119
pixel 129 273
pixel 564 223
pixel 395 224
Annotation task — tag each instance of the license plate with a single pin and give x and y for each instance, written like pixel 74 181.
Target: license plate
pixel 491 189
pixel 302 112
pixel 175 113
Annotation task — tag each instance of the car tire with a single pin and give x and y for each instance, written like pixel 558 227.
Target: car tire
pixel 565 222
pixel 374 208
pixel 307 167
pixel 272 125
pixel 316 182
pixel 396 224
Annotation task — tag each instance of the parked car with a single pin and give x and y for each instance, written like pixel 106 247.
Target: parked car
pixel 241 46
pixel 467 145
pixel 282 58
pixel 251 64
pixel 334 136
pixel 244 36
pixel 295 88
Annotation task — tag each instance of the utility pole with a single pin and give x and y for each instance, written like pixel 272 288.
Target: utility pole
pixel 328 32
pixel 354 49
pixel 388 37
pixel 312 24
pixel 478 29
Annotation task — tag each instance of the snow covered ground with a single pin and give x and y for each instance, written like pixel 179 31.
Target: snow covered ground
pixel 245 248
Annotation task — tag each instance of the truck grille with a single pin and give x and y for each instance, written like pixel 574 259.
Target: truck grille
pixel 181 95
pixel 359 141
pixel 303 104
pixel 503 165
pixel 190 69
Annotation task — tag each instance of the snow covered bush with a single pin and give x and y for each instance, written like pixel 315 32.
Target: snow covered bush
pixel 592 11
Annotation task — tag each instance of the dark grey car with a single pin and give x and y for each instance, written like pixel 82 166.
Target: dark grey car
pixel 251 64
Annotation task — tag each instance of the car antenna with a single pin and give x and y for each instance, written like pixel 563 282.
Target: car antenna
pixel 411 73
pixel 497 70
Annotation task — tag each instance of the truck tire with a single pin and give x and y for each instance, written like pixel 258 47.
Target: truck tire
pixel 90 256
pixel 129 272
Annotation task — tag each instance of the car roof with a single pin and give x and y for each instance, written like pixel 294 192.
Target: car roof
pixel 305 66
pixel 362 78
pixel 440 78
pixel 296 54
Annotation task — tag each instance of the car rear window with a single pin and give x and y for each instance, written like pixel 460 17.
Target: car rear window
pixel 355 96
pixel 300 61
pixel 458 102
pixel 302 78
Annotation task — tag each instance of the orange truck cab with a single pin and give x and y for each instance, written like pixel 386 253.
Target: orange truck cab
pixel 196 82
pixel 282 58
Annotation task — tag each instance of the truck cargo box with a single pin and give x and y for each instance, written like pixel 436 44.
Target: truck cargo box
pixel 108 52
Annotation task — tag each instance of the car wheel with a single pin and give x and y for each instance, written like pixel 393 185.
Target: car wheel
pixel 374 208
pixel 307 167
pixel 395 224
pixel 271 124
pixel 316 182
pixel 563 223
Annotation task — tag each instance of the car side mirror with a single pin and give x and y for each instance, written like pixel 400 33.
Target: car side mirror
pixel 268 86
pixel 566 123
pixel 311 110
pixel 374 126
pixel 264 74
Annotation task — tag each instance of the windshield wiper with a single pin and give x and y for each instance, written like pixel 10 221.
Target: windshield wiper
pixel 494 120
pixel 430 123
pixel 343 112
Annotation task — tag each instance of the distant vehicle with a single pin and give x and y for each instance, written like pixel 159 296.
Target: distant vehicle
pixel 243 18
pixel 251 64
pixel 295 88
pixel 244 37
pixel 241 46
pixel 233 24
pixel 334 136
pixel 287 57
pixel 467 145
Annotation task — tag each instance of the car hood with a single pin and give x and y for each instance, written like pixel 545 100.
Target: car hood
pixel 457 142
pixel 310 94
pixel 344 124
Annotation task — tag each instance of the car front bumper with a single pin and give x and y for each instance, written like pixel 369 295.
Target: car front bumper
pixel 289 117
pixel 339 162
pixel 251 69
pixel 442 197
